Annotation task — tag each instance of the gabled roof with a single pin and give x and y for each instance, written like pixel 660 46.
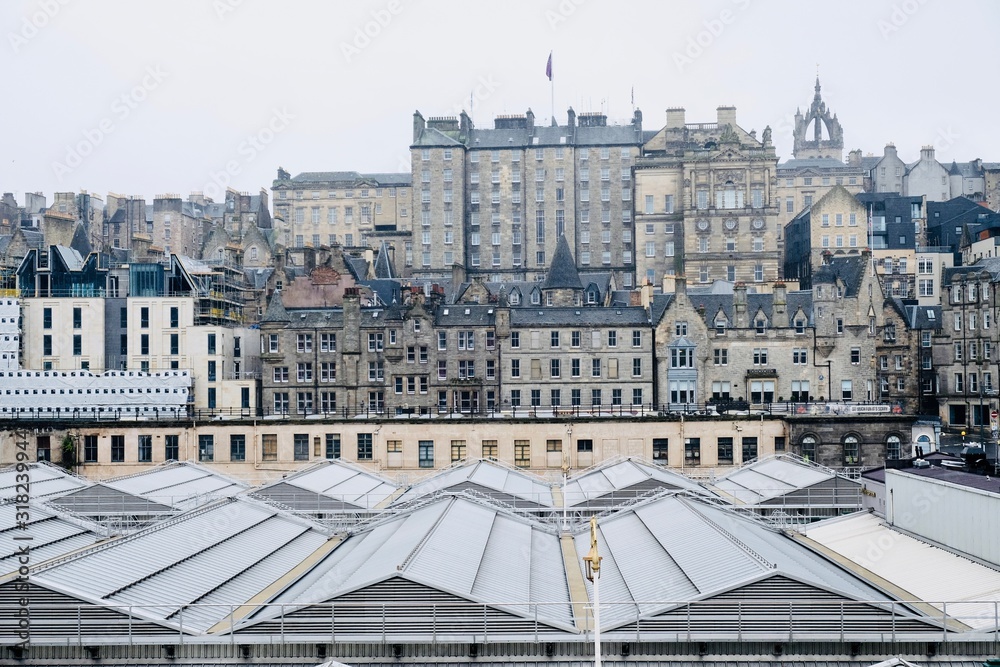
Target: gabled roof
pixel 46 480
pixel 491 478
pixel 225 553
pixel 330 485
pixel 453 546
pixel 52 535
pixel 849 269
pixel 616 482
pixel 562 273
pixel 180 484
pixel 671 549
pixel 775 476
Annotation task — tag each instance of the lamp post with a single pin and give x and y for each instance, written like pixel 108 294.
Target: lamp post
pixel 593 564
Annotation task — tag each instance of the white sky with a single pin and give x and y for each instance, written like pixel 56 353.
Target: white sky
pixel 202 76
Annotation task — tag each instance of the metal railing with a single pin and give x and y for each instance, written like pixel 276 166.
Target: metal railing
pixel 745 619
pixel 364 410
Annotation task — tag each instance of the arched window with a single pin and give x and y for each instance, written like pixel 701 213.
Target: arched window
pixel 253 252
pixel 852 450
pixel 924 445
pixel 807 447
pixel 892 446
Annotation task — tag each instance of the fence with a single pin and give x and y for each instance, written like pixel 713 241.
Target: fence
pixel 730 619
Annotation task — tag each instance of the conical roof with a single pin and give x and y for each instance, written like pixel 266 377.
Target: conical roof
pixel 276 309
pixel 562 272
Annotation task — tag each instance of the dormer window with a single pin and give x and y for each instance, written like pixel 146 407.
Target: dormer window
pixel 536 297
pixel 720 327
pixel 761 326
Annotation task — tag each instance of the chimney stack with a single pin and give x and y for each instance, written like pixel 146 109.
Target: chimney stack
pixel 675 118
pixel 726 116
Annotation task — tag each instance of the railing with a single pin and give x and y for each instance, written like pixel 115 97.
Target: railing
pixel 366 411
pixel 747 619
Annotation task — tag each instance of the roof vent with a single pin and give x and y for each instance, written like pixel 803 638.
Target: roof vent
pixel 921 463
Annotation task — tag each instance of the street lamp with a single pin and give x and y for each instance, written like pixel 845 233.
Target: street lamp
pixel 593 564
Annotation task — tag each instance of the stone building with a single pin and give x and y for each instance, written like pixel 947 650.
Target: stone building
pixel 498 200
pixel 965 346
pixel 777 347
pixel 342 208
pixel 705 200
pixel 835 225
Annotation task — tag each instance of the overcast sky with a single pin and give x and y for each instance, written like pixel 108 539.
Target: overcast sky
pixel 173 96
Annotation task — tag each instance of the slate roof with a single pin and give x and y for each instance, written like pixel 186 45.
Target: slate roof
pixel 713 302
pixel 815 163
pixel 276 309
pixel 849 269
pixel 403 179
pixel 562 273
pixel 546 316
pixel 465 315
pixel 917 316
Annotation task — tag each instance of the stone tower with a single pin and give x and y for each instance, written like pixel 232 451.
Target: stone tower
pixel 816 118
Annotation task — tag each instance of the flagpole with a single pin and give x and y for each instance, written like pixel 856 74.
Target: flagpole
pixel 552 87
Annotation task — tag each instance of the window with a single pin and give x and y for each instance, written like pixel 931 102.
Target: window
pixel 211 343
pixel 595 368
pixel 692 451
pixel 760 356
pixel 77 345
pixel 749 449
pixel 206 447
pixel 333 445
pixel 892 448
pixel 365 446
pixel 300 446
pixel 554 368
pixel 90 449
pixel 304 402
pixel 807 448
pixel 145 448
pixel 375 341
pixel 237 447
pixel 281 403
pixel 661 448
pixel 799 356
pixel 852 450
pixel 171 447
pixel 522 453
pixel 117 448
pixel 847 389
pixel 612 339
pixel 724 448
pixel 855 355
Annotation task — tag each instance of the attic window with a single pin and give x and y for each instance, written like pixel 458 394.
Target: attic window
pixel 761 327
pixel 720 327
pixel 930 314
